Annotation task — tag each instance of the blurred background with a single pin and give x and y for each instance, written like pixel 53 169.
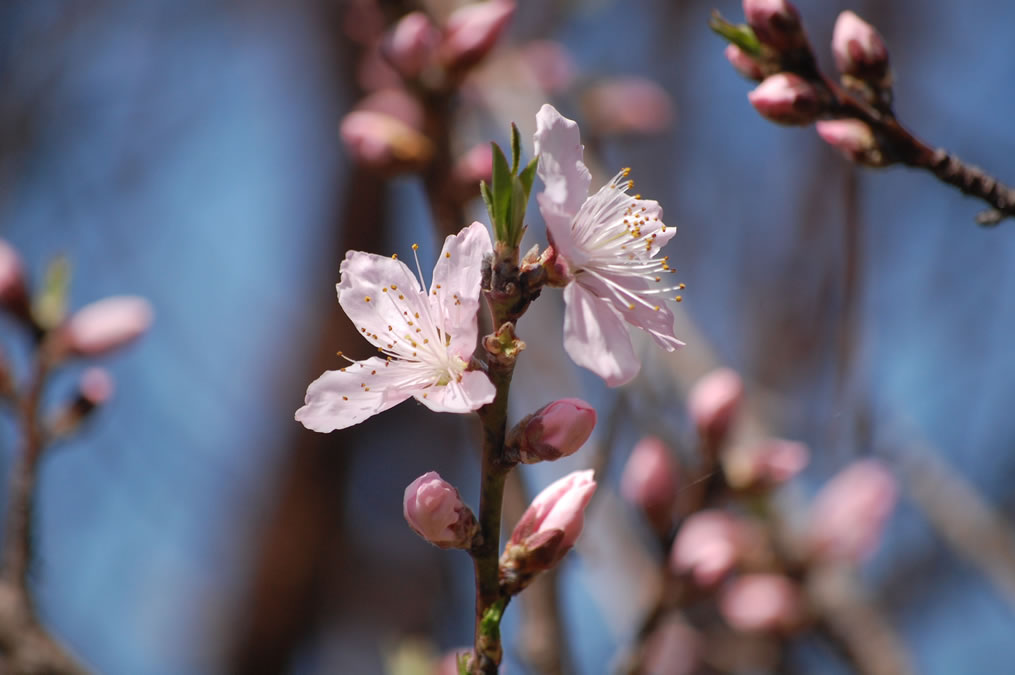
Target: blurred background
pixel 189 152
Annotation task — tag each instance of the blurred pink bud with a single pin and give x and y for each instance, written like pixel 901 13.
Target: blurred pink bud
pixel 473 30
pixel 859 49
pixel 850 512
pixel 13 292
pixel 786 98
pixel 851 136
pixel 96 386
pixel 766 464
pixel 396 102
pixel 649 481
pixel 108 324
pixel 743 62
pixel 708 545
pixel 411 43
pixel 674 648
pixel 627 105
pixel 554 431
pixel 550 64
pixel 713 403
pixel 559 507
pixel 448 665
pixel 384 143
pixel 776 23
pixel 474 166
pixel 435 511
pixel 761 603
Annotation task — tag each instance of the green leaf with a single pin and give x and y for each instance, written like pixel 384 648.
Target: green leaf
pixel 741 35
pixel 50 304
pixel 528 175
pixel 484 190
pixel 516 149
pixel 501 189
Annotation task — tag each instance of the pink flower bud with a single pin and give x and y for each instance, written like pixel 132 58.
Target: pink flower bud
pixel 554 431
pixel 776 23
pixel 649 481
pixel 850 512
pixel 859 49
pixel 627 105
pixel 108 324
pixel 766 464
pixel 550 65
pixel 786 98
pixel 96 386
pixel 713 403
pixel 854 138
pixel 435 511
pixel 559 507
pixel 473 30
pixel 707 546
pixel 13 292
pixel 384 143
pixel 761 603
pixel 743 62
pixel 410 44
pixel 474 166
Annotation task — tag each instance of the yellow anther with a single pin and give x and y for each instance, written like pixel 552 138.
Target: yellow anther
pixel 366 299
pixel 630 306
pixel 682 286
pixel 394 256
pixel 394 287
pixel 625 172
pixel 447 255
pixel 415 247
pixel 679 298
pixel 345 398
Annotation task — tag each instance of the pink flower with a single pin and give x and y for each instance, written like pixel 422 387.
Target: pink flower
pixel 607 245
pixel 427 338
pixel 560 507
pixel 556 430
pixel 649 480
pixel 849 513
pixel 627 105
pixel 707 546
pixel 107 325
pixel 761 603
pixel 434 510
pixel 713 402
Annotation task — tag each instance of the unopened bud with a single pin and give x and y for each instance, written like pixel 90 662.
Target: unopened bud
pixel 744 64
pixel 786 98
pixel 627 105
pixel 766 464
pixel 853 138
pixel 472 31
pixel 436 512
pixel 776 23
pixel 649 481
pixel 13 291
pixel 554 431
pixel 713 403
pixel 548 528
pixel 107 325
pixel 768 603
pixel 384 143
pixel 860 50
pixel 94 389
pixel 850 512
pixel 410 44
pixel 708 545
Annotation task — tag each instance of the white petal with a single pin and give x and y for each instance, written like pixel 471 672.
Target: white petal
pixel 454 292
pixel 342 398
pixel 596 338
pixel 656 322
pixel 565 175
pixel 385 302
pixel 471 393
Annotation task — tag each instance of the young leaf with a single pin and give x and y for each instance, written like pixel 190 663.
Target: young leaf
pixel 516 149
pixel 501 189
pixel 742 35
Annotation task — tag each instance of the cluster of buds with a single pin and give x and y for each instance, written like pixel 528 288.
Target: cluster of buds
pixel 407 64
pixel 773 49
pixel 549 527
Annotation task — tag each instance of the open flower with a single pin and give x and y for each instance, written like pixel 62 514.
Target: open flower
pixel 606 247
pixel 427 338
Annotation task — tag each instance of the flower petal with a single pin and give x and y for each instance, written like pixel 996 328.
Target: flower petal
pixel 470 393
pixel 560 162
pixel 342 398
pixel 596 338
pixel 385 302
pixel 454 292
pixel 648 312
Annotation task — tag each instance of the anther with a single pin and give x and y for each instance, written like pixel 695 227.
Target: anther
pixel 415 247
